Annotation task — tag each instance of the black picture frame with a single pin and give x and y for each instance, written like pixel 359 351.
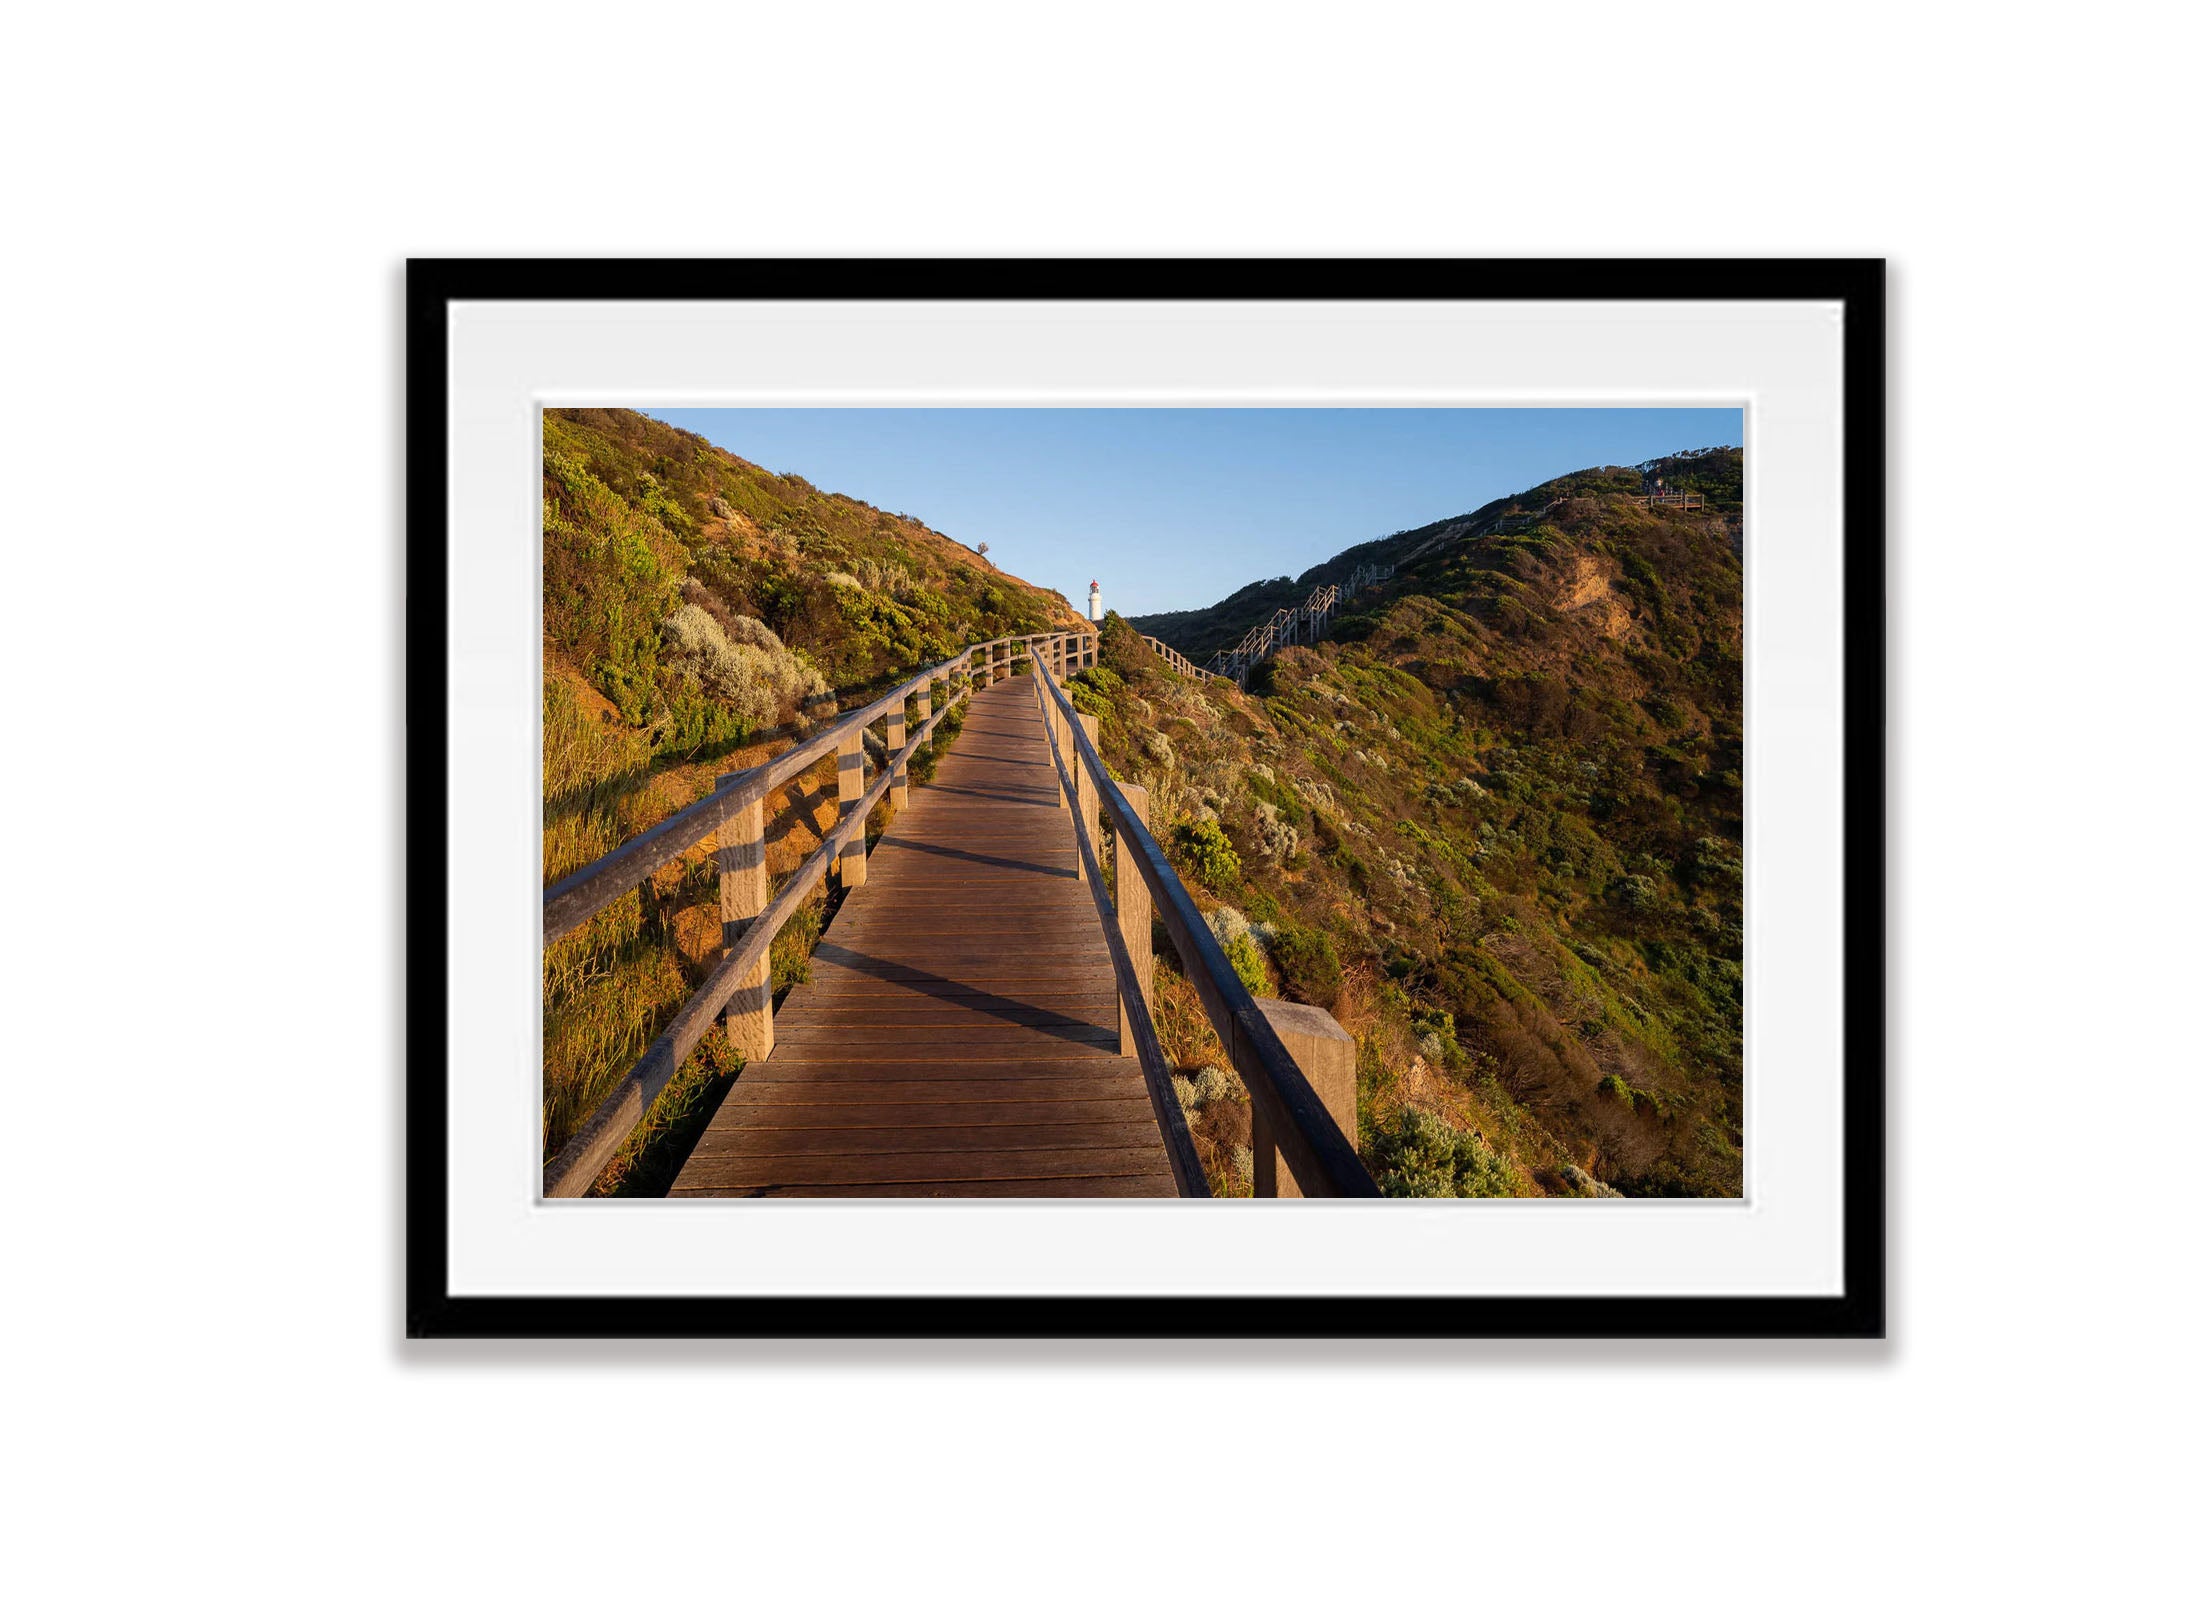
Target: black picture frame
pixel 1859 1311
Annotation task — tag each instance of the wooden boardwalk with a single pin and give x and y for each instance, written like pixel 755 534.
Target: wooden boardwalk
pixel 957 1036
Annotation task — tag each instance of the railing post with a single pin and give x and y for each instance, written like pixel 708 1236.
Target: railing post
pixel 1088 789
pixel 897 735
pixel 744 889
pixel 854 865
pixel 1325 1053
pixel 1133 919
pixel 923 698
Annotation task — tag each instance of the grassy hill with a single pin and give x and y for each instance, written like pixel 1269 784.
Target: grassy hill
pixel 699 614
pixel 1715 473
pixel 1494 823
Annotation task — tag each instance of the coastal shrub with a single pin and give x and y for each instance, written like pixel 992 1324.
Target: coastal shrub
pixel 1423 1157
pixel 1307 963
pixel 1206 849
pixel 1715 864
pixel 608 572
pixel 1246 962
pixel 1104 680
pixel 1089 699
pixel 758 679
pixel 1212 1084
pixel 1227 923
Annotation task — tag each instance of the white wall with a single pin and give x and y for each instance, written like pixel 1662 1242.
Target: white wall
pixel 209 209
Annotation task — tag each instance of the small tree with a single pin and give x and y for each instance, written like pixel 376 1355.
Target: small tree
pixel 983 547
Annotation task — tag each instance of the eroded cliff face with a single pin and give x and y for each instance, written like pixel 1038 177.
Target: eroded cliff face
pixel 1588 588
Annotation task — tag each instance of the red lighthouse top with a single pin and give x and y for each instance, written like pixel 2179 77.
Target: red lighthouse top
pixel 1096 583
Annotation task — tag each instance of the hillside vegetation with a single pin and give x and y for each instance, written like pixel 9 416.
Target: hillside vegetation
pixel 1714 473
pixel 1494 824
pixel 699 614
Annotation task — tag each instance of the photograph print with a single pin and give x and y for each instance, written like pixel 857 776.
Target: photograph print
pixel 1142 803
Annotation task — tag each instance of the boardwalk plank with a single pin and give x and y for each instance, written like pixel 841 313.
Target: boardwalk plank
pixel 960 1112
pixel 739 1144
pixel 927 1166
pixel 864 1100
pixel 924 1066
pixel 974 1189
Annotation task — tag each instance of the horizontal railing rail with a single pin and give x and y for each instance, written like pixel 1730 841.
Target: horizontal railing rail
pixel 1320 1155
pixel 576 898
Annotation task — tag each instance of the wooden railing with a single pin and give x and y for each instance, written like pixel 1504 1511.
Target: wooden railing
pixel 1303 623
pixel 1181 662
pixel 1291 1119
pixel 739 989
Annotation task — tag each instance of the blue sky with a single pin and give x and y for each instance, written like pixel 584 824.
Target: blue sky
pixel 1176 508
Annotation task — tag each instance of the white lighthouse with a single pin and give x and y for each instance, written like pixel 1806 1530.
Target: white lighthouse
pixel 1092 604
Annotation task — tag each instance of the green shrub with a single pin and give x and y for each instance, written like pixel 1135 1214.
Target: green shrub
pixel 1089 699
pixel 756 677
pixel 1614 1088
pixel 1307 963
pixel 1423 1157
pixel 609 573
pixel 1714 863
pixel 1103 680
pixel 1246 962
pixel 1206 849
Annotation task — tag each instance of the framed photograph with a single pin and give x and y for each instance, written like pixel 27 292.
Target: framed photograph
pixel 1146 798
